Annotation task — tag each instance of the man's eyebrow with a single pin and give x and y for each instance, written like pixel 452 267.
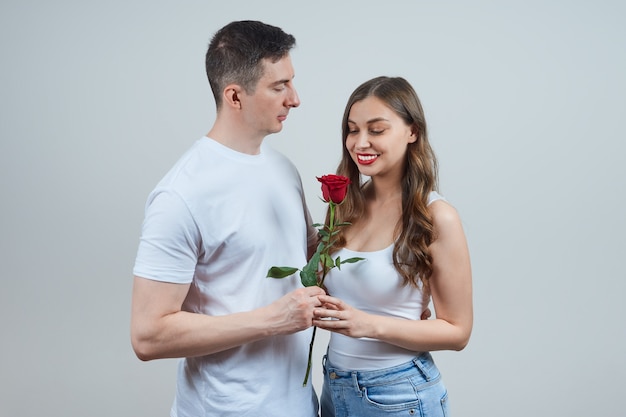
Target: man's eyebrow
pixel 279 82
pixel 282 81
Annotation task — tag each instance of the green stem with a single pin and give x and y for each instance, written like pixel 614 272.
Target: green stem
pixel 331 223
pixel 308 367
pixel 331 228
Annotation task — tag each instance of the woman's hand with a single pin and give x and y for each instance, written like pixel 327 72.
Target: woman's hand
pixel 337 316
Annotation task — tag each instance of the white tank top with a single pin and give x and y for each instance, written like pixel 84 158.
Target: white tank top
pixel 375 287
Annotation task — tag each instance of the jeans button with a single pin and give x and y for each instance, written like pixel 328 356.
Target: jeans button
pixel 333 375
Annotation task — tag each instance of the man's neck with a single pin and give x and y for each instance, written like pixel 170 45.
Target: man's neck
pixel 236 139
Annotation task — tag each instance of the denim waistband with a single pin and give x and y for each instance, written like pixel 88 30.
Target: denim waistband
pixel 423 363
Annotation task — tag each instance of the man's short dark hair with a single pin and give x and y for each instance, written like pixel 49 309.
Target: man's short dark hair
pixel 236 52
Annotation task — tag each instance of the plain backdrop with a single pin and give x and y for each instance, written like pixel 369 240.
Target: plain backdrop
pixel 525 102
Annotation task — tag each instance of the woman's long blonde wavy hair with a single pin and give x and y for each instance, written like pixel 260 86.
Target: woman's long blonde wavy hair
pixel 414 231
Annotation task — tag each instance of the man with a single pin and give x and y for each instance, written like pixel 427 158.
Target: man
pixel 228 210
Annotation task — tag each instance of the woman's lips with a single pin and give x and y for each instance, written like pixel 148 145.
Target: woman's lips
pixel 366 159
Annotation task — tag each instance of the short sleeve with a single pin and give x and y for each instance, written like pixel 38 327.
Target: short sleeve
pixel 170 240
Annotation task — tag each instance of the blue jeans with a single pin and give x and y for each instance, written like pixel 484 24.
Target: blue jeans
pixel 413 388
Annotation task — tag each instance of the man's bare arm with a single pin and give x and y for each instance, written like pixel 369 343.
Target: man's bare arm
pixel 160 329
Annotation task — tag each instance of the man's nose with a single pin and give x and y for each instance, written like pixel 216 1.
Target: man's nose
pixel 293 100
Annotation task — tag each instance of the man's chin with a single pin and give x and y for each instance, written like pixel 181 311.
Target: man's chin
pixel 276 129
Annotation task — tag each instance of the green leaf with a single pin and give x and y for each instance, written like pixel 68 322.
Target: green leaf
pixel 308 278
pixel 317 224
pixel 313 264
pixel 343 224
pixel 280 271
pixel 327 261
pixel 352 260
pixel 320 248
pixel 338 262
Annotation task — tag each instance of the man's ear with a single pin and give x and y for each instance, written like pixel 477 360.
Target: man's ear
pixel 231 96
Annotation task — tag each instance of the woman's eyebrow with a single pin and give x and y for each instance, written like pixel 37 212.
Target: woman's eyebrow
pixel 374 120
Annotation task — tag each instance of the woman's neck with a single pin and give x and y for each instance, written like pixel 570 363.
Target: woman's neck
pixel 383 190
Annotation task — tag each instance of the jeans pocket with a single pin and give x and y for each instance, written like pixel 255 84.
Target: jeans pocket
pixel 433 400
pixel 394 395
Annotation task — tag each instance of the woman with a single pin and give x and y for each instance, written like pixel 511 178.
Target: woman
pixel 413 241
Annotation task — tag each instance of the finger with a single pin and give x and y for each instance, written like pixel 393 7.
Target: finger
pixel 324 313
pixel 314 291
pixel 314 302
pixel 322 324
pixel 332 325
pixel 330 300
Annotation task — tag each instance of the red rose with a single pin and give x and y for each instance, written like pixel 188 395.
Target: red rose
pixel 334 187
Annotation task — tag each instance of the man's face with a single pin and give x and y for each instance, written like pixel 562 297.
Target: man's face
pixel 267 108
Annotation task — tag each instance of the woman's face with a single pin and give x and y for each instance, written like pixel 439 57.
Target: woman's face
pixel 377 138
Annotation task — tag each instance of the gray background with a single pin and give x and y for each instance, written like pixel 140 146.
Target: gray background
pixel 525 101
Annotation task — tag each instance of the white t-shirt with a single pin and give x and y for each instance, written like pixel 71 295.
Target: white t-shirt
pixel 218 220
pixel 374 286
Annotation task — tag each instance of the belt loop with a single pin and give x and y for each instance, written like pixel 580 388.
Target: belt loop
pixel 420 366
pixel 355 381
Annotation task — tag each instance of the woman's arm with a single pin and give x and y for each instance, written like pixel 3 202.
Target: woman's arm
pixel 451 288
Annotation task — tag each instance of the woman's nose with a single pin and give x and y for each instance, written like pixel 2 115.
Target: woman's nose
pixel 362 141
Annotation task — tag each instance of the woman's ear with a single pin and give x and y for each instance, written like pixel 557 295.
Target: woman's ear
pixel 413 135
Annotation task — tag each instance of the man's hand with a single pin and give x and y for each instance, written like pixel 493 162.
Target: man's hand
pixel 293 312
